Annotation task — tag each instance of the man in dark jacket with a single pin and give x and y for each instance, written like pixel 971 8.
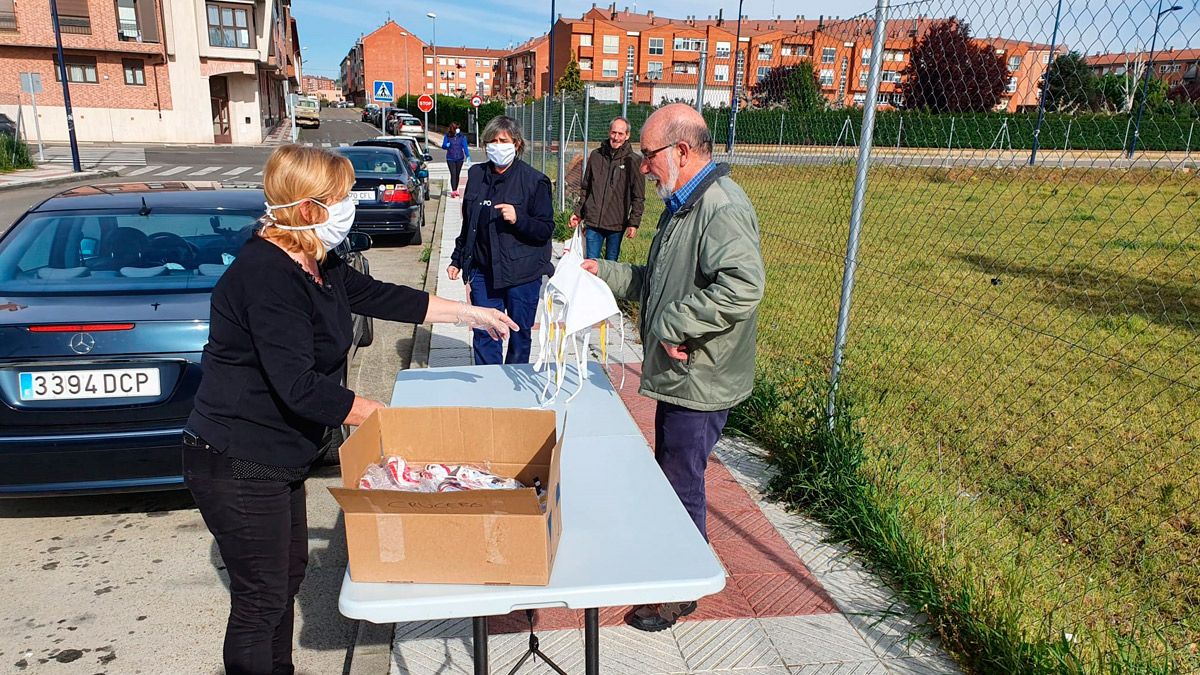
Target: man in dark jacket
pixel 504 247
pixel 613 193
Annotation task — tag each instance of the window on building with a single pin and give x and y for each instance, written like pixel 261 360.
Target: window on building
pixel 81 69
pixel 1170 68
pixel 723 50
pixel 585 64
pixel 860 99
pixel 135 71
pixel 629 58
pixel 827 77
pixel 73 17
pixel 686 68
pixel 429 85
pixel 765 52
pixel 1014 62
pixel 487 88
pixel 611 44
pixel 892 76
pixel 866 55
pixel 429 60
pixel 688 44
pixel 654 70
pixel 442 86
pixel 230 26
pixel 762 73
pixel 828 54
pixel 585 40
pixel 893 55
pixel 441 61
pixel 862 78
pixel 8 16
pixel 1046 57
pixel 610 68
pixel 785 50
pixel 1012 85
pixel 721 73
pixel 428 73
pixel 657 45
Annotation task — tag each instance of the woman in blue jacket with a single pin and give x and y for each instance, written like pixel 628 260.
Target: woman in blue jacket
pixel 504 247
pixel 457 150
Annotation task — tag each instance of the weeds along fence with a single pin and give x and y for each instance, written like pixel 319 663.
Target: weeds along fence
pixel 1017 279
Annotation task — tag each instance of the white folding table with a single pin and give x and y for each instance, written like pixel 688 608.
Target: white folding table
pixel 626 538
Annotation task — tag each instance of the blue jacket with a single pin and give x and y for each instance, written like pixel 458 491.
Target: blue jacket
pixel 457 148
pixel 517 252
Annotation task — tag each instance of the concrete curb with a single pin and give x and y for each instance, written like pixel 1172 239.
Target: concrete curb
pixel 59 180
pixel 372 651
pixel 423 339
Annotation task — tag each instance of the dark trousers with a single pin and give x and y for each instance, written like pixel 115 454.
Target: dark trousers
pixel 609 241
pixel 455 170
pixel 684 439
pixel 261 529
pixel 520 303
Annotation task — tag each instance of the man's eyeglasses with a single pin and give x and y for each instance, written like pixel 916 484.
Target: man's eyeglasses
pixel 649 154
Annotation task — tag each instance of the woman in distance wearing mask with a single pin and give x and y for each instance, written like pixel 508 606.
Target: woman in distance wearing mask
pixel 504 247
pixel 279 331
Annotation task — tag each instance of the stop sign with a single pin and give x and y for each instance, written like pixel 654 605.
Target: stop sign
pixel 425 103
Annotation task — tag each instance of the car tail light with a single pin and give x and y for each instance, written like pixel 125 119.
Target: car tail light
pixel 398 195
pixel 80 327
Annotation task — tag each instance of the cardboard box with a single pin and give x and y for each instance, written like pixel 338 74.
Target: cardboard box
pixel 472 537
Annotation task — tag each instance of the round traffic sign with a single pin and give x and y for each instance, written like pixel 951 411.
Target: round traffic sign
pixel 476 101
pixel 425 103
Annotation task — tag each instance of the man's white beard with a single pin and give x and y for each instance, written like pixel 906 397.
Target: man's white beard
pixel 672 178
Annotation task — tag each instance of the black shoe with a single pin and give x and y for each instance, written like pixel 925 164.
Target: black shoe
pixel 653 618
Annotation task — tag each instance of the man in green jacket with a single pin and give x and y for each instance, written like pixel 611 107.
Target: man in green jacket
pixel 699 293
pixel 612 194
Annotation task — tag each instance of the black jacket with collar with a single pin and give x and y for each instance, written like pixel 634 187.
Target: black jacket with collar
pixel 613 193
pixel 516 252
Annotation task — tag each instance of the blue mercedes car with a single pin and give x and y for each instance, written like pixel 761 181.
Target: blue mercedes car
pixel 104 303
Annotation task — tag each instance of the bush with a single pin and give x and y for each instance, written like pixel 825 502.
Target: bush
pixel 14 154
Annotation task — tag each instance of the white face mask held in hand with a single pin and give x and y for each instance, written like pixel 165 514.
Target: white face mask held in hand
pixel 334 229
pixel 572 301
pixel 501 154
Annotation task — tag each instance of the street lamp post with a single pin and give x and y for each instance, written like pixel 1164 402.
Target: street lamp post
pixel 407 70
pixel 436 65
pixel 66 88
pixel 1137 126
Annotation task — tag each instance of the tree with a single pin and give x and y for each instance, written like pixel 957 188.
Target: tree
pixel 1186 93
pixel 794 87
pixel 1070 84
pixel 950 72
pixel 570 82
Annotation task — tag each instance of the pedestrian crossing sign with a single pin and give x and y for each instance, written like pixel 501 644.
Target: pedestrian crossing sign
pixel 383 91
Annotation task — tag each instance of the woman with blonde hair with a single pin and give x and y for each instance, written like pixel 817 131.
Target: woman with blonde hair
pixel 279 332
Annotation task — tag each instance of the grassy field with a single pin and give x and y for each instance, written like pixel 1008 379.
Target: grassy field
pixel 1023 345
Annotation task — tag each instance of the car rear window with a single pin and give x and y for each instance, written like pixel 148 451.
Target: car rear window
pixel 77 252
pixel 373 161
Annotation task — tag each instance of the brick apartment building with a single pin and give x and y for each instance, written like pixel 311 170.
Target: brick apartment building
pixel 1173 66
pixel 153 71
pixel 321 87
pixel 664 56
pixel 393 53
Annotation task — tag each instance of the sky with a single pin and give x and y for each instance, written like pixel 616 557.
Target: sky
pixel 329 28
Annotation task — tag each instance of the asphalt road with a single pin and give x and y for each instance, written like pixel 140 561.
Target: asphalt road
pixel 134 583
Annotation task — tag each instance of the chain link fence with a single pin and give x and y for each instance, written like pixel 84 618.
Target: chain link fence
pixel 1014 276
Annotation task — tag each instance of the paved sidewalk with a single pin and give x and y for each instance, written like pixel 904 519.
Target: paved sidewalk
pixel 792 604
pixel 48 174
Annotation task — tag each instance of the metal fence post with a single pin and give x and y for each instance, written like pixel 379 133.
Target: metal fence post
pixel 700 81
pixel 625 87
pixel 1037 130
pixel 562 151
pixel 587 110
pixel 547 121
pixel 900 132
pixel 857 205
pixel 1187 151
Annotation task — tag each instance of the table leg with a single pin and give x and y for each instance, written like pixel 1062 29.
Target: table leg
pixel 480 643
pixel 591 641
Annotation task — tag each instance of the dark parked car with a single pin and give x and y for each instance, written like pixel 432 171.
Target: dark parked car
pixel 387 194
pixel 413 154
pixel 106 290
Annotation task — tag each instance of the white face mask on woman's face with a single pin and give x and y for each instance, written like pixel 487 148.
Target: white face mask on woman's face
pixel 501 154
pixel 333 230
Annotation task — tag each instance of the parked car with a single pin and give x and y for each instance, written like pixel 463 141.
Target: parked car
pixel 413 153
pixel 368 113
pixel 308 112
pixel 107 292
pixel 407 124
pixel 387 194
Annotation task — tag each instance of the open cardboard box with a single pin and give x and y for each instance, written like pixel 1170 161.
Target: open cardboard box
pixel 472 537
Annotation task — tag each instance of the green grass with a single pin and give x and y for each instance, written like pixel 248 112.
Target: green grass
pixel 1023 352
pixel 14 154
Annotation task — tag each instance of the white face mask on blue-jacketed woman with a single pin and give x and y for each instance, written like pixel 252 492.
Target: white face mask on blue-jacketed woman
pixel 332 231
pixel 501 154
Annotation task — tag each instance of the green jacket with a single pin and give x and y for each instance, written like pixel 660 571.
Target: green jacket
pixel 700 287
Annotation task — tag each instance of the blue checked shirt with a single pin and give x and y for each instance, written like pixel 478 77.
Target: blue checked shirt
pixel 681 195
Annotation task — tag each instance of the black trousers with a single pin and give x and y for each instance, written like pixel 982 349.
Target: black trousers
pixel 455 169
pixel 261 528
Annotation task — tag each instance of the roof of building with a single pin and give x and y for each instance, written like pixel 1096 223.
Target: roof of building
pixel 1163 56
pixel 472 52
